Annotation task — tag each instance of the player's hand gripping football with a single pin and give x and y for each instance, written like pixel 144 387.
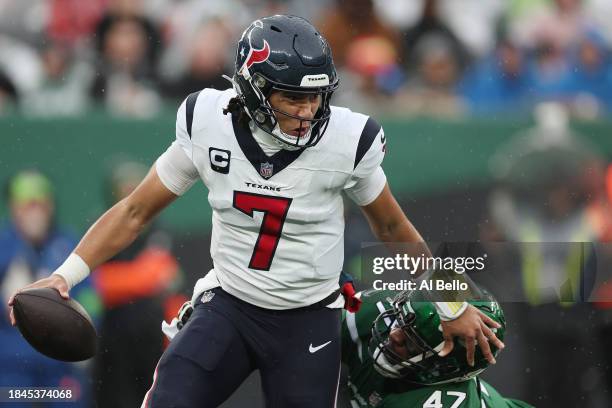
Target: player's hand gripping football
pixel 53 281
pixel 472 326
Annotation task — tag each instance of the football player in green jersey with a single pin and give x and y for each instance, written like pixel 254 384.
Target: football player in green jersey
pixel 391 348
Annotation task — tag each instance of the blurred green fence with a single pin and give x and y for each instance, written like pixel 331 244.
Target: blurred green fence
pixel 423 157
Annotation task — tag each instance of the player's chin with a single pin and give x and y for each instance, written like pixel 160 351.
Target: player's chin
pixel 298 131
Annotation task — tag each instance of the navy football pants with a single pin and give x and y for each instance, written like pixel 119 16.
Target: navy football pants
pixel 297 352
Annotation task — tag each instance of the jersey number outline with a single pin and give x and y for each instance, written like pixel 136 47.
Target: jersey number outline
pixel 435 399
pixel 275 211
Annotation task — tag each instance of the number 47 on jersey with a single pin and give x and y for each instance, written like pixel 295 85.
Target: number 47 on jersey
pixel 435 399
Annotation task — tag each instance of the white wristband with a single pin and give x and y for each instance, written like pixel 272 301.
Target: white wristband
pixel 450 310
pixel 73 270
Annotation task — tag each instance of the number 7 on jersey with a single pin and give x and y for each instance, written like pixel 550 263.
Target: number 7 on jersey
pixel 275 211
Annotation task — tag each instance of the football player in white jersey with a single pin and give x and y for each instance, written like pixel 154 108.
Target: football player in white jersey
pixel 275 157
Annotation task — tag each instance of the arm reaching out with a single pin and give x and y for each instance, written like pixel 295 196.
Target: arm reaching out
pixel 112 232
pixel 121 224
pixel 390 224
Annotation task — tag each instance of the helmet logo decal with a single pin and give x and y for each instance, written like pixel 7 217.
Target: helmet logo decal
pixel 254 56
pixel 257 56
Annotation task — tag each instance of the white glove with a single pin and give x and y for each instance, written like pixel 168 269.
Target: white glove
pixel 177 323
pixel 170 330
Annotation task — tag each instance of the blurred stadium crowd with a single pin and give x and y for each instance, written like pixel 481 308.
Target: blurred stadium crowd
pixel 426 57
pixel 437 58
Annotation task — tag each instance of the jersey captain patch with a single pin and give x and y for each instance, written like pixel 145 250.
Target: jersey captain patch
pixel 219 160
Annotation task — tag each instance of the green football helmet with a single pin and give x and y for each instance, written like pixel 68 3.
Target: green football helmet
pixel 422 338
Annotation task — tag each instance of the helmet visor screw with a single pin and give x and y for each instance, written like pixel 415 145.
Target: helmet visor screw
pixel 260 82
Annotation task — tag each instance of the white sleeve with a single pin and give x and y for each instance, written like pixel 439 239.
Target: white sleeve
pixel 367 189
pixel 183 137
pixel 368 179
pixel 175 167
pixel 176 171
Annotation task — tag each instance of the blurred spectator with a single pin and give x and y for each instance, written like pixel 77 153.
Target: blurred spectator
pixel 558 24
pixel 394 57
pixel 549 72
pixel 185 19
pixel 128 44
pixel 374 61
pixel 125 82
pixel 548 176
pixel 599 211
pixel 473 21
pixel 498 83
pixel 600 11
pixel 546 185
pixel 579 77
pixel 136 287
pixel 349 21
pixel 31 247
pixel 20 63
pixel 366 50
pixel 590 80
pixel 399 14
pixel 207 61
pixel 72 21
pixel 8 95
pixel 432 89
pixel 25 20
pixel 64 89
pixel 133 11
pixel 431 30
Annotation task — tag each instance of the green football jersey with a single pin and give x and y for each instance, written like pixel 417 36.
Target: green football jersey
pixel 370 389
pixel 474 393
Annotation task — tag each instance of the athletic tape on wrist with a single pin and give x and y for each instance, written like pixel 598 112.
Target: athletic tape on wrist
pixel 450 310
pixel 73 270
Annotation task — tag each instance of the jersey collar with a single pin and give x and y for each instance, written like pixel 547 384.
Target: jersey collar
pixel 266 166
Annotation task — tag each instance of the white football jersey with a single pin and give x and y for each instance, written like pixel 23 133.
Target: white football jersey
pixel 278 222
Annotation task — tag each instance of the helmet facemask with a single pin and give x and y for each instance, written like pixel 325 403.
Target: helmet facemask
pixel 421 364
pixel 422 339
pixel 256 93
pixel 387 360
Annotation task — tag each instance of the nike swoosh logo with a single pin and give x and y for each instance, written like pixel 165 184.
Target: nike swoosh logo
pixel 315 349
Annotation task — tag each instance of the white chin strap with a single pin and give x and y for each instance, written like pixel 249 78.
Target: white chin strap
pixel 286 141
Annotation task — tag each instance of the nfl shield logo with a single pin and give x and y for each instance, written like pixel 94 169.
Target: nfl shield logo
pixel 266 170
pixel 207 296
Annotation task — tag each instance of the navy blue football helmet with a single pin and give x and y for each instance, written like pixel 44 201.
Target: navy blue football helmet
pixel 284 53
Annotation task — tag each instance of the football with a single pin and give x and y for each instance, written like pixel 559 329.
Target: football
pixel 56 327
